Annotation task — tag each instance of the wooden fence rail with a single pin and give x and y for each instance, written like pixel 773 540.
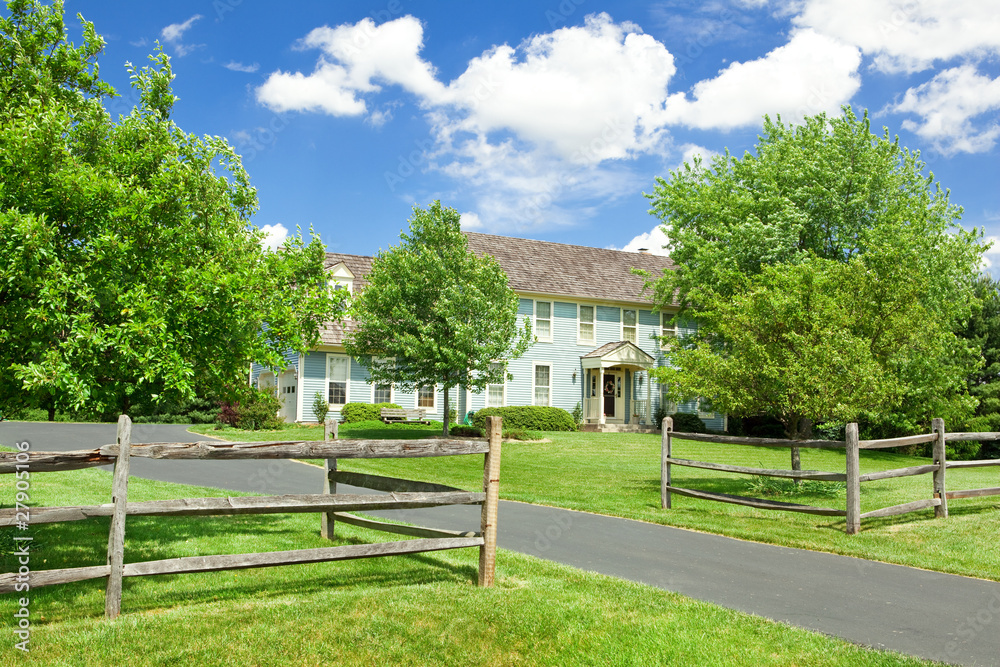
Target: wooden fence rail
pixel 398 494
pixel 852 476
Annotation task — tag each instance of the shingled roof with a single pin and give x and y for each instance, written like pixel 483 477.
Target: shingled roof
pixel 596 274
pixel 332 333
pixel 537 267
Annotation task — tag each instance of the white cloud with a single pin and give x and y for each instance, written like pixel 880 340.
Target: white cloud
pixel 240 67
pixel 947 105
pixel 471 221
pixel 275 235
pixel 355 57
pixel 175 31
pixel 588 93
pixel 810 74
pixel 691 151
pixel 653 241
pixel 907 36
pixel 142 41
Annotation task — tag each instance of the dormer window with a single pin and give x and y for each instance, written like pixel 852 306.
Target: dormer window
pixel 341 278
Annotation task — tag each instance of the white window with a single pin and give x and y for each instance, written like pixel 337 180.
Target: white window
pixel 382 393
pixel 628 326
pixel 543 321
pixel 341 278
pixel 338 374
pixel 543 384
pixel 668 328
pixel 426 396
pixel 585 315
pixel 495 392
pixel 705 409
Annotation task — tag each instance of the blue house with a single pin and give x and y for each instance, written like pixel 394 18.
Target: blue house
pixel 596 340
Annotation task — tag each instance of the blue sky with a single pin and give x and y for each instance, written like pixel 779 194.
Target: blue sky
pixel 549 120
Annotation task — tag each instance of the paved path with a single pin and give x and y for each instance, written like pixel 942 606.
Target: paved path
pixel 928 614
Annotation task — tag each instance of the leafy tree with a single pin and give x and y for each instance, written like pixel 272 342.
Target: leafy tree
pixel 131 270
pixel 983 330
pixel 827 274
pixel 435 313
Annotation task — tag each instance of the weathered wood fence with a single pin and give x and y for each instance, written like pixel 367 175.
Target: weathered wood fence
pixel 852 476
pixel 402 494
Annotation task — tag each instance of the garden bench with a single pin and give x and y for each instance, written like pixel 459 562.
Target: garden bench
pixel 403 416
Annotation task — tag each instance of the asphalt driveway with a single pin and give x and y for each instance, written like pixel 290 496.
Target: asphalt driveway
pixel 939 616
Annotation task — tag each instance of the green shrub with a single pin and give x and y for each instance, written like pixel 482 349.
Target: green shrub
pixel 528 417
pixel 363 412
pixel 259 412
pixel 688 423
pixel 321 407
pixel 577 413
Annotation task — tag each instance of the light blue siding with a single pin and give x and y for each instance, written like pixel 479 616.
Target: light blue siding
pixel 313 380
pixel 525 307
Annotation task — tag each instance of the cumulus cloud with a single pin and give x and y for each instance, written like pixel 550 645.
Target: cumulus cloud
pixel 275 235
pixel 589 93
pixel 654 241
pixel 906 36
pixel 240 67
pixel 948 105
pixel 810 74
pixel 356 58
pixel 471 221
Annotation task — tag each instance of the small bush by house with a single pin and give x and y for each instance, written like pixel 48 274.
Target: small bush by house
pixel 364 412
pixel 260 412
pixel 528 418
pixel 688 423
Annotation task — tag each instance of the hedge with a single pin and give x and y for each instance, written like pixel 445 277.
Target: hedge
pixel 528 418
pixel 364 412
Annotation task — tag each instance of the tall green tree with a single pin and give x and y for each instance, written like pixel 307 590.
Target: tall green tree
pixel 983 330
pixel 131 270
pixel 756 240
pixel 434 313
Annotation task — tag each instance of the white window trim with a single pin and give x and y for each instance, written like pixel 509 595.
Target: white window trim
pixel 416 400
pixel 663 329
pixel 347 389
pixel 706 415
pixel 534 320
pixel 534 365
pixel 621 318
pixel 392 392
pixel 392 387
pixel 593 323
pixel 504 385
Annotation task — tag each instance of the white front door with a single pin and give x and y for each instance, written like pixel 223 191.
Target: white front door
pixel 287 387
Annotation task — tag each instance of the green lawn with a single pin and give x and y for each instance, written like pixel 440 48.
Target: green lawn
pixel 619 475
pixel 405 610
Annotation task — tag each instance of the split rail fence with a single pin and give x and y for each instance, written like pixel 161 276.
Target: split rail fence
pixel 852 476
pixel 401 494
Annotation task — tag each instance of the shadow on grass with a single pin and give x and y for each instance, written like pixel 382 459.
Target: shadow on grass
pixel 84 543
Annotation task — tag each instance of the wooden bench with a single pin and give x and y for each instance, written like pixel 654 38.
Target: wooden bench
pixel 403 416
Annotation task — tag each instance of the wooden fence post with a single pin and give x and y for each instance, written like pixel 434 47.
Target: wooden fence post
pixel 116 536
pixel 665 452
pixel 326 521
pixel 491 485
pixel 853 450
pixel 940 459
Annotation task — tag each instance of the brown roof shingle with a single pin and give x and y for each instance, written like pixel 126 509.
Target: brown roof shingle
pixel 544 267
pixel 539 267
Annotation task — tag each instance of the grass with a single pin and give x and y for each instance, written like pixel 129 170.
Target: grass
pixel 406 610
pixel 618 474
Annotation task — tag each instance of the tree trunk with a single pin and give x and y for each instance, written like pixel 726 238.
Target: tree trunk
pixel 798 428
pixel 447 390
